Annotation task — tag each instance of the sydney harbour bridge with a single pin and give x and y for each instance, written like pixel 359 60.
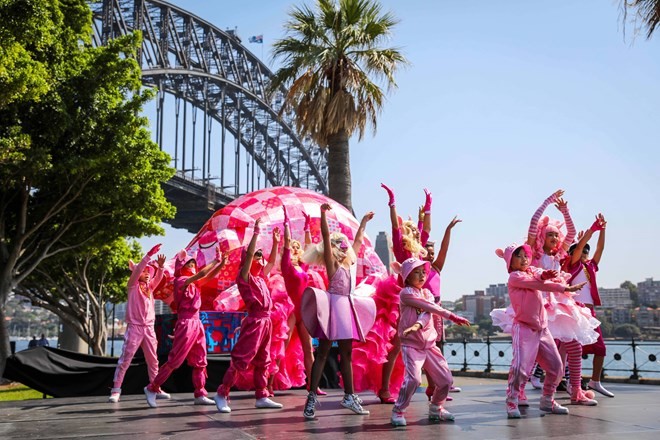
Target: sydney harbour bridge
pixel 226 134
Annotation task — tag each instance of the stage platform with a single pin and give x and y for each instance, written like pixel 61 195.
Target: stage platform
pixel 479 409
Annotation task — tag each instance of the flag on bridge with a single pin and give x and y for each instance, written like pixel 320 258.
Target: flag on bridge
pixel 259 39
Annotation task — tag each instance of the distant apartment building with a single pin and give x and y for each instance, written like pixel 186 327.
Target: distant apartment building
pixel 617 297
pixel 500 292
pixel 383 248
pixel 479 304
pixel 648 292
pixel 621 315
pixel 646 317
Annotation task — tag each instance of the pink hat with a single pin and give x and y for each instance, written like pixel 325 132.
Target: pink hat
pixel 507 253
pixel 182 258
pixel 408 266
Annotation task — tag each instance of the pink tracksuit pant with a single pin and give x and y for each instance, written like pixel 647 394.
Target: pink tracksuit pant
pixel 435 365
pixel 252 348
pixel 137 336
pixel 189 345
pixel 528 346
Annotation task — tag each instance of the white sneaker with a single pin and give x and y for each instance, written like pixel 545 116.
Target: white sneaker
pixel 114 395
pixel 548 404
pixel 512 411
pixel 522 398
pixel 151 397
pixel 352 402
pixel 163 395
pixel 222 404
pixel 536 382
pixel 438 413
pixel 397 418
pixel 203 400
pixel 597 386
pixel 265 402
pixel 453 389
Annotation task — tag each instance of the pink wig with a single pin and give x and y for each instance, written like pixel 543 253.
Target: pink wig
pixel 545 225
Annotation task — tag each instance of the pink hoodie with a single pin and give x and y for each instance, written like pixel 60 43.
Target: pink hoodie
pixel 140 308
pixel 525 290
pixel 413 303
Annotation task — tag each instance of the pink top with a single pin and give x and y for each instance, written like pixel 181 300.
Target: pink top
pixel 188 299
pixel 254 292
pixel 414 302
pixel 140 308
pixel 295 278
pixel 526 298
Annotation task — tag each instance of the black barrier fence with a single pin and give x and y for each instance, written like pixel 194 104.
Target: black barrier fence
pixel 629 358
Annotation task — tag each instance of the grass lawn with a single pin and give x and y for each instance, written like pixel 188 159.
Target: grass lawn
pixel 18 391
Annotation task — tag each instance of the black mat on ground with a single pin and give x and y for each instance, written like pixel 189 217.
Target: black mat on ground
pixel 64 373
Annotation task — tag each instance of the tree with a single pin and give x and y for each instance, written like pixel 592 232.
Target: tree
pixel 627 331
pixel 82 170
pixel 645 14
pixel 77 287
pixel 486 327
pixel 330 56
pixel 634 296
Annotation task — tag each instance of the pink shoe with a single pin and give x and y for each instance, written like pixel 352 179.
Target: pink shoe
pixel 386 398
pixel 320 392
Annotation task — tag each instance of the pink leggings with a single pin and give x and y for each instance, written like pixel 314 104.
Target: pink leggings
pixel 436 368
pixel 572 352
pixel 137 336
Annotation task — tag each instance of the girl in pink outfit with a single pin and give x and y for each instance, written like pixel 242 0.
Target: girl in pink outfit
pixel 253 345
pixel 189 337
pixel 568 322
pixel 140 317
pixel 338 314
pixel 531 339
pixel 296 280
pixel 407 241
pixel 418 347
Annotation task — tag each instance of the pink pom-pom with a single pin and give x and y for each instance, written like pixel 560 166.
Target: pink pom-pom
pixel 589 394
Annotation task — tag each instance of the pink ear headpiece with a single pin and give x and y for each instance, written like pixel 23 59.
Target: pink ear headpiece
pixel 408 266
pixel 507 253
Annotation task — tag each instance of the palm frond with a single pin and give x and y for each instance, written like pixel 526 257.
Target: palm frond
pixel 646 11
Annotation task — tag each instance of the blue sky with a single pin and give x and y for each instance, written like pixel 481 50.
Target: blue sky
pixel 503 103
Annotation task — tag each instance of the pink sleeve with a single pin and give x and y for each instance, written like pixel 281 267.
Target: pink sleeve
pixel 156 281
pixel 411 300
pixel 397 245
pixel 137 271
pixel 286 265
pixel 523 280
pixel 570 227
pixel 424 237
pixel 533 224
pixel 424 318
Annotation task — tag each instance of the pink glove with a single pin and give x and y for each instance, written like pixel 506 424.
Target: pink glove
pixel 429 200
pixel 154 250
pixel 596 226
pixel 390 193
pixel 308 221
pixel 549 274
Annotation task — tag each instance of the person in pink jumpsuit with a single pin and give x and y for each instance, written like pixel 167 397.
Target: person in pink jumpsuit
pixel 582 268
pixel 531 339
pixel 140 317
pixel 407 241
pixel 433 285
pixel 418 342
pixel 296 281
pixel 338 314
pixel 253 344
pixel 189 336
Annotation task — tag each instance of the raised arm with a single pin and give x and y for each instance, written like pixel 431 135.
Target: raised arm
pixel 534 222
pixel 245 269
pixel 583 239
pixel 272 258
pixel 308 229
pixel 394 219
pixel 425 230
pixel 562 206
pixel 439 262
pixel 209 270
pixel 359 235
pixel 600 246
pixel 287 231
pixel 160 260
pixel 139 268
pixel 330 264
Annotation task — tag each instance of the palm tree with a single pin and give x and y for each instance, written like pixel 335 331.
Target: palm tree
pixel 331 56
pixel 648 11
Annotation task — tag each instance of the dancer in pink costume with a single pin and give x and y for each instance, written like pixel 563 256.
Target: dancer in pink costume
pixel 569 323
pixel 531 339
pixel 296 280
pixel 338 314
pixel 433 285
pixel 189 338
pixel 418 342
pixel 583 269
pixel 140 317
pixel 253 345
pixel 407 241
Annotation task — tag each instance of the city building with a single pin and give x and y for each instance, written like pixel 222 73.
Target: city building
pixel 617 297
pixel 479 305
pixel 646 317
pixel 648 292
pixel 621 315
pixel 500 292
pixel 383 248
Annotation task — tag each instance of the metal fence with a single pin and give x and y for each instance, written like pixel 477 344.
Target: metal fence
pixel 635 359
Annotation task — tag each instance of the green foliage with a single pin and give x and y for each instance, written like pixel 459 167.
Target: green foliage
pixel 627 331
pixel 17 391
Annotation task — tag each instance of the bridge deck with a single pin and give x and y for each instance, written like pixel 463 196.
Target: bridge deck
pixel 479 412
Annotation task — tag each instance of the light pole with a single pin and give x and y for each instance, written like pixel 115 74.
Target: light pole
pixel 112 344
